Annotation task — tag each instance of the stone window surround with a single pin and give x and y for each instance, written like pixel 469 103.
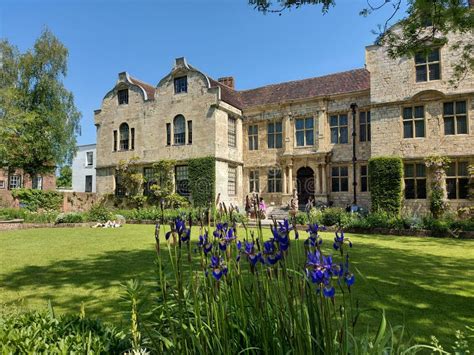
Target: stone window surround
pixel 232 180
pixel 252 136
pixel 412 105
pixel 303 117
pixel 171 132
pixel 426 64
pixel 14 181
pixel 348 126
pixel 340 178
pixel 232 132
pixel 457 176
pixel 179 87
pixel 468 103
pixel 275 133
pixel 118 138
pixel 364 176
pixel 366 124
pixel 417 178
pixel 274 180
pixel 254 180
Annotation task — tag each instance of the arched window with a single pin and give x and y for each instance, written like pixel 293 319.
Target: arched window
pixel 179 127
pixel 124 136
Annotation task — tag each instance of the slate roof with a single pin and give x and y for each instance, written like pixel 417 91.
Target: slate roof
pixel 149 89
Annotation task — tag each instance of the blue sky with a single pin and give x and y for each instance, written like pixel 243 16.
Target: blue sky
pixel 220 37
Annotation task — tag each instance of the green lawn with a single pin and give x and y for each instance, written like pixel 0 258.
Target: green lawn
pixel 425 283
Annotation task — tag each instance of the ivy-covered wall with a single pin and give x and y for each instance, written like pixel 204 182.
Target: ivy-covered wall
pixel 385 181
pixel 202 180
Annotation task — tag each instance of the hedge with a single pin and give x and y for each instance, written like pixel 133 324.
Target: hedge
pixel 38 199
pixel 202 180
pixel 385 180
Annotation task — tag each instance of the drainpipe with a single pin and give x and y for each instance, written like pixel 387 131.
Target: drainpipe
pixel 354 158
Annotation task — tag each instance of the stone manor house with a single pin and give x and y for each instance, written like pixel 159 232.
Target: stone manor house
pixel 298 134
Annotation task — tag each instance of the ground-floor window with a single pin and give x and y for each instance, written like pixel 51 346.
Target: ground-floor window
pixel 415 181
pixel 37 183
pixel 254 181
pixel 339 179
pixel 119 188
pixel 274 180
pixel 364 178
pixel 88 183
pixel 181 180
pixel 457 180
pixel 14 182
pixel 231 180
pixel 149 180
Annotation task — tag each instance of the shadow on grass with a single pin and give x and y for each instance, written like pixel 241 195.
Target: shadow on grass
pixel 431 295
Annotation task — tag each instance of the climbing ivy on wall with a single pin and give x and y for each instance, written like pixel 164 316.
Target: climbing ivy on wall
pixel 385 180
pixel 33 200
pixel 202 180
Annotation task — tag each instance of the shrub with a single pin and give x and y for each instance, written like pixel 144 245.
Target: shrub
pixel 301 218
pixel 385 180
pixel 70 218
pixel 39 332
pixel 99 213
pixel 28 216
pixel 201 175
pixel 38 199
pixel 438 227
pixel 332 216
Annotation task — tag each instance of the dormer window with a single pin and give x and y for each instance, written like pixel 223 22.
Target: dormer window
pixel 428 66
pixel 122 97
pixel 181 84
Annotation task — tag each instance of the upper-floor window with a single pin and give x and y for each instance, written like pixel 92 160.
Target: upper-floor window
pixel 304 128
pixel 181 180
pixel 457 180
pixel 427 66
pixel 179 127
pixel 90 158
pixel 181 84
pixel 364 179
pixel 274 180
pixel 364 126
pixel 254 181
pixel 339 129
pixel 190 132
pixel 415 181
pixel 14 182
pixel 339 179
pixel 455 117
pixel 414 122
pixel 124 136
pixel 253 137
pixel 231 180
pixel 232 132
pixel 122 96
pixel 275 135
pixel 168 134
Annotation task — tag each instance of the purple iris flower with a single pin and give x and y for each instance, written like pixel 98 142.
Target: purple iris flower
pixel 218 267
pixel 204 243
pixel 340 240
pixel 329 292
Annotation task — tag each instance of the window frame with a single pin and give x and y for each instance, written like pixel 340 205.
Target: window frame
pixel 122 96
pixel 272 137
pixel 305 130
pixel 2 184
pixel 190 131
pixel 457 177
pixel 180 86
pixel 254 180
pixel 85 183
pixel 232 132
pixel 455 118
pixel 179 137
pixel 364 177
pixel 274 181
pixel 126 140
pixel 426 64
pixel 340 178
pixel 339 128
pixel 365 126
pixel 413 120
pixel 18 180
pixel 416 181
pixel 187 193
pixel 148 180
pixel 115 140
pixel 37 183
pixel 252 137
pixel 89 163
pixel 168 133
pixel 231 180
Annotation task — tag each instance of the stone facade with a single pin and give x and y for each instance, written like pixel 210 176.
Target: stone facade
pixel 311 147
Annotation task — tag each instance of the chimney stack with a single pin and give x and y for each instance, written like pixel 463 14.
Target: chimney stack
pixel 229 80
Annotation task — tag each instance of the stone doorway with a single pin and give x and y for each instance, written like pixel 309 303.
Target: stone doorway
pixel 305 185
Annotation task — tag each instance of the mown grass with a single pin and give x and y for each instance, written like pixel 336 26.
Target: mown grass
pixel 424 283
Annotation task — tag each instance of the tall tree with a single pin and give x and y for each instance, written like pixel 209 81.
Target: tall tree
pixel 426 23
pixel 38 118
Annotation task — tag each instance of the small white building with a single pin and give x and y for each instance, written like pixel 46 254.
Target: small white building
pixel 83 169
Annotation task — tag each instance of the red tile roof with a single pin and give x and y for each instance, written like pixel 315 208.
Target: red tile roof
pixel 149 89
pixel 339 83
pixel 228 94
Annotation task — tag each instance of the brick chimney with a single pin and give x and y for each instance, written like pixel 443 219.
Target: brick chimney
pixel 229 80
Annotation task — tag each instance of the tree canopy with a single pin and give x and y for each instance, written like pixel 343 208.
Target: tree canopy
pixel 426 24
pixel 38 118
